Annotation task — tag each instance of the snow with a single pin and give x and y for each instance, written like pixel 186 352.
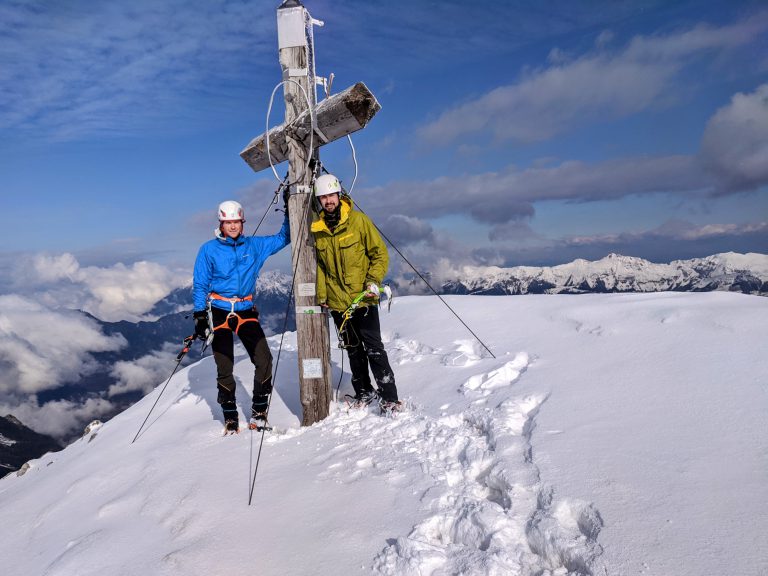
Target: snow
pixel 6 441
pixel 611 434
pixel 729 262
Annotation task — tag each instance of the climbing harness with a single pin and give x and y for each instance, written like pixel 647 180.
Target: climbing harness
pixel 232 315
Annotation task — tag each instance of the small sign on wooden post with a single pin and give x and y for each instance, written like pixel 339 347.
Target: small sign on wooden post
pixel 334 118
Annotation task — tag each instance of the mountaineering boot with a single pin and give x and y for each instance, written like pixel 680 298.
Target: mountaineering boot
pixel 361 400
pixel 231 419
pixel 259 421
pixel 366 397
pixel 259 409
pixel 390 408
pixel 260 404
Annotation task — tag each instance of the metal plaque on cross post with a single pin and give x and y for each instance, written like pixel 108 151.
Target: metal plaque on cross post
pixel 308 126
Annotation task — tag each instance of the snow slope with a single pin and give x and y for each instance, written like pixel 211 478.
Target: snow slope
pixel 611 434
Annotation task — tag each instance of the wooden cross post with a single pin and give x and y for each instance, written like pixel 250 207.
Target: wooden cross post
pixel 307 126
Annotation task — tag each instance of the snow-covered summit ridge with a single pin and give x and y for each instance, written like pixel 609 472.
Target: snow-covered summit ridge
pixel 729 271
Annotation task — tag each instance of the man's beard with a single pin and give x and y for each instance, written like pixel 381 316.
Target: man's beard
pixel 332 218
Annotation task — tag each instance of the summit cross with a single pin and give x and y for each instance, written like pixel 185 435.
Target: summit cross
pixel 308 126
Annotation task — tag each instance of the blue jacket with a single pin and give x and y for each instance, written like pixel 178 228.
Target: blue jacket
pixel 230 267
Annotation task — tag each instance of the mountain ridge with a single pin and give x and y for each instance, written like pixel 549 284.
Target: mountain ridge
pixel 18 444
pixel 730 271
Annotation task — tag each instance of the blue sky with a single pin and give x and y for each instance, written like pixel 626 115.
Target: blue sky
pixel 510 132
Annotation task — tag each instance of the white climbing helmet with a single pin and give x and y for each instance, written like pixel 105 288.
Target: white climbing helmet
pixel 327 184
pixel 231 210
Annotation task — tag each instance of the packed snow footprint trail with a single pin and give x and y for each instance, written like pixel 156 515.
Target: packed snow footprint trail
pixel 483 502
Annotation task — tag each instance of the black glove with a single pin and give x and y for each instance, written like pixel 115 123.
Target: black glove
pixel 202 329
pixel 286 196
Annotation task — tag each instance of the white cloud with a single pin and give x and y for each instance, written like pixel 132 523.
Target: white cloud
pixel 733 157
pixel 515 230
pixel 735 143
pixel 60 418
pixel 45 342
pixel 41 348
pixel 111 294
pixel 689 238
pixel 128 292
pixel 144 373
pixel 499 197
pixel 551 101
pixel 675 239
pixel 604 38
pixel 407 229
pixel 602 84
pixel 682 230
pixel 672 230
pixel 50 268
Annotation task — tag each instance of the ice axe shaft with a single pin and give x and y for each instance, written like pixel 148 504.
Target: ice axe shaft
pixel 187 345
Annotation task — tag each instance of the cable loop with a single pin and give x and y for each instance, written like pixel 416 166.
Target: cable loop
pixel 349 138
pixel 313 124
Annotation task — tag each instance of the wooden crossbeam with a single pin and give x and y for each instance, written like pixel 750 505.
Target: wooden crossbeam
pixel 336 116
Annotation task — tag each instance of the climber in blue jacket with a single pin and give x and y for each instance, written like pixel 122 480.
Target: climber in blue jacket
pixel 224 282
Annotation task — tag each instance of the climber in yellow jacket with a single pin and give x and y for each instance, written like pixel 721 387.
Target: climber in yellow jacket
pixel 352 259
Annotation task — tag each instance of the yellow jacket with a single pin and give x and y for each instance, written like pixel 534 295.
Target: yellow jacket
pixel 349 258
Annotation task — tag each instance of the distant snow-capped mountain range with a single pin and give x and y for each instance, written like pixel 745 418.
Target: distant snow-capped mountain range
pixel 747 273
